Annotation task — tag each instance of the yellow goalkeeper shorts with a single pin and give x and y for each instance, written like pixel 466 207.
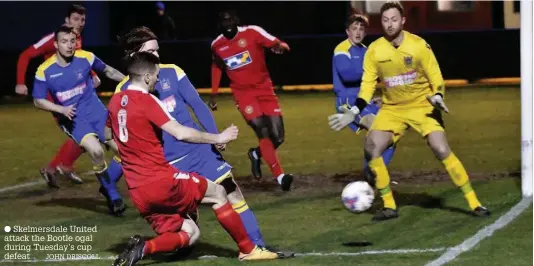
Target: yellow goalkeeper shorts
pixel 424 120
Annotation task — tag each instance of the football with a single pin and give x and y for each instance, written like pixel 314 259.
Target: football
pixel 358 196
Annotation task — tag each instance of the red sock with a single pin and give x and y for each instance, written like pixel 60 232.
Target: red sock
pixel 268 153
pixel 166 242
pixel 231 222
pixel 67 155
pixel 72 153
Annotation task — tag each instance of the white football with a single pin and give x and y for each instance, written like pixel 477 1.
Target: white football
pixel 358 196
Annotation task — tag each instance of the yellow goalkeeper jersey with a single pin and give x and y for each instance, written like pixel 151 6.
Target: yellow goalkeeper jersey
pixel 409 72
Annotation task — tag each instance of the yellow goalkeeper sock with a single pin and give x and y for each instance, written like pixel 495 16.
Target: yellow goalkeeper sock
pixel 378 168
pixel 460 178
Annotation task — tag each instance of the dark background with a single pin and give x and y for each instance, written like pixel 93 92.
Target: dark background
pixel 469 44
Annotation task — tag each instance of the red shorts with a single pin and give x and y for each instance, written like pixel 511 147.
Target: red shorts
pixel 165 203
pixel 252 106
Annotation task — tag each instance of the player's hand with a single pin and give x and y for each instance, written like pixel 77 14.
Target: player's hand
pixel 212 103
pixel 69 111
pixel 96 81
pixel 280 48
pixel 437 102
pixel 228 134
pixel 339 121
pixel 220 147
pixel 21 89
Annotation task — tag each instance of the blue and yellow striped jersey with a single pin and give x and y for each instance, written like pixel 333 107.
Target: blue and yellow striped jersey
pixel 177 93
pixel 70 85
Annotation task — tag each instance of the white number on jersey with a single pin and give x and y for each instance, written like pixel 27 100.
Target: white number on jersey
pixel 123 131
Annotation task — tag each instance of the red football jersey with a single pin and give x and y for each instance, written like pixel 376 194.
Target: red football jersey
pixel 243 58
pixel 135 117
pixel 45 47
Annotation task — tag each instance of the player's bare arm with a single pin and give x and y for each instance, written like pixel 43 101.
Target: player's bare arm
pixel 113 74
pixel 68 111
pixel 184 133
pixel 216 75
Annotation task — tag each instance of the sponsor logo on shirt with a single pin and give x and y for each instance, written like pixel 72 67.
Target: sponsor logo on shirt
pixel 401 80
pixel 170 103
pixel 66 95
pixel 56 75
pixel 238 60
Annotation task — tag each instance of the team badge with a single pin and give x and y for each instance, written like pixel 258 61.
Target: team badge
pixel 79 74
pixel 165 84
pixel 124 100
pixel 242 43
pixel 408 61
pixel 249 109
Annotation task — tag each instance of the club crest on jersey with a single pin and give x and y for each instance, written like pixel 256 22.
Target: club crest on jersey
pixel 242 43
pixel 249 109
pixel 124 100
pixel 408 61
pixel 238 60
pixel 165 84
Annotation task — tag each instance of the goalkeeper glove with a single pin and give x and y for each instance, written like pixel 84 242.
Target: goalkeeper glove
pixel 339 121
pixel 437 102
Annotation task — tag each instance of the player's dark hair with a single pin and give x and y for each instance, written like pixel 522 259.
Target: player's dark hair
pixel 132 41
pixel 78 9
pixel 62 29
pixel 363 20
pixel 142 63
pixel 392 4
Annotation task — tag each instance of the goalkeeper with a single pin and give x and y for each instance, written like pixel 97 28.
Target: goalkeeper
pixel 413 97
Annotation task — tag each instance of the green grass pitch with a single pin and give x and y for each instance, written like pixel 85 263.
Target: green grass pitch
pixel 483 130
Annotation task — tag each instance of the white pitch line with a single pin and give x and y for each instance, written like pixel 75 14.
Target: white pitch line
pixel 23 185
pixel 33 183
pixel 485 232
pixel 311 254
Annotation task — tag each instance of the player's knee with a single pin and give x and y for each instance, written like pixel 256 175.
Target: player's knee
pixel 220 195
pixel 260 128
pixel 97 154
pixel 371 147
pixel 441 150
pixel 277 140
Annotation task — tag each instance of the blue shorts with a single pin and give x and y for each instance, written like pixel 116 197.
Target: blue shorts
pixel 371 108
pixel 206 161
pixel 94 126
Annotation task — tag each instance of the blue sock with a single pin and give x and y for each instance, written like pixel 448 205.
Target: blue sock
pixel 249 221
pixel 106 182
pixel 115 170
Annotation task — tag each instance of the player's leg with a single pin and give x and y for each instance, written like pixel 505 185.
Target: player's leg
pixel 236 198
pixel 249 108
pixel 229 219
pixel 174 232
pixel 208 162
pixel 437 141
pixel 92 146
pixel 275 123
pixel 365 121
pixel 69 152
pixel 385 130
